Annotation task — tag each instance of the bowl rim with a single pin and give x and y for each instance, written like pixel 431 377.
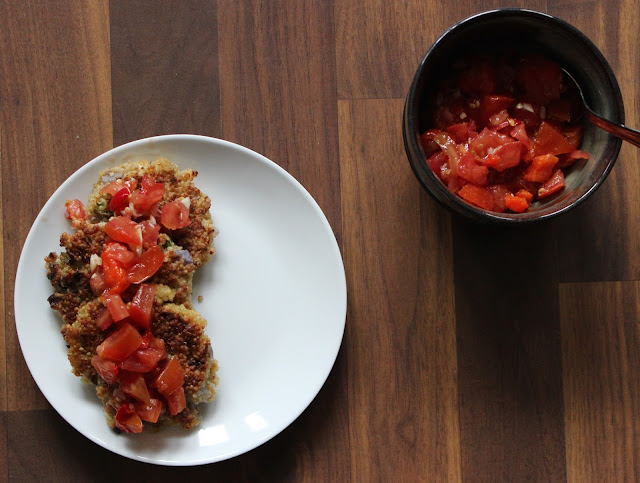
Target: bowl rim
pixel 432 183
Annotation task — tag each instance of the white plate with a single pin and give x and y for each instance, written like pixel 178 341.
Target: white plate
pixel 274 295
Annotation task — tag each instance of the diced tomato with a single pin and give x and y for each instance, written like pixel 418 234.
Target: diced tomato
pixel 104 320
pixel 115 275
pixel 150 233
pixel 540 78
pixel 516 204
pixel 573 135
pixel 171 378
pixel 149 412
pixel 519 132
pixel 113 187
pixel 120 200
pixel 477 196
pixel 449 148
pixel 148 264
pixel 428 143
pixel 479 79
pixel 107 370
pixel 541 168
pixel 120 344
pixel 145 360
pixel 498 191
pixel 549 140
pixel 552 185
pixel 176 401
pixel 175 215
pixel 147 338
pixel 74 211
pixel 119 252
pixel 492 105
pixel 498 119
pixel 116 306
pixel 439 163
pixel 149 194
pixel 141 306
pixel 569 159
pixel 98 281
pixel 463 131
pixel 488 140
pixel 527 195
pixel 133 384
pixel 560 110
pixel 509 155
pixel 127 420
pixel 125 230
pixel 470 169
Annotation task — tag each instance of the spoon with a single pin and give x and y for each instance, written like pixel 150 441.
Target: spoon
pixel 618 130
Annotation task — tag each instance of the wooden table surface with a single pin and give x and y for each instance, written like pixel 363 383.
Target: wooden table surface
pixel 470 353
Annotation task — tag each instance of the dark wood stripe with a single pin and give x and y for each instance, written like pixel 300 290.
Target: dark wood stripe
pixel 600 340
pixel 54 58
pixel 509 361
pixel 164 68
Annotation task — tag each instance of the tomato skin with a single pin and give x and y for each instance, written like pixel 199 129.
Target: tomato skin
pixel 134 385
pixel 176 401
pixel 115 275
pixel 541 168
pixel 149 412
pixel 549 140
pixel 105 368
pixel 477 196
pixel 517 204
pixel 509 155
pixel 116 306
pixel 150 233
pixel 471 170
pixel 141 307
pixel 149 263
pixel 175 215
pixel 554 184
pixel 145 360
pixel 74 211
pixel 120 200
pixel 120 344
pixel 127 420
pixel 104 320
pixel 120 253
pixel 170 378
pixel 124 229
pixel 149 194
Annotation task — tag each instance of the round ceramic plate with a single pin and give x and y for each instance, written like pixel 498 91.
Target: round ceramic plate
pixel 274 296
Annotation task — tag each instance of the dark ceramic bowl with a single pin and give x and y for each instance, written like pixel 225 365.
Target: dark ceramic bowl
pixel 528 31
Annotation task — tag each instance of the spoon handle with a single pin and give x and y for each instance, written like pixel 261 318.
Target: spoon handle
pixel 619 130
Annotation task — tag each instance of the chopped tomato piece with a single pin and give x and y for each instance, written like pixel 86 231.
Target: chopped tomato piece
pixel 145 360
pixel 115 275
pixel 462 132
pixel 541 168
pixel 107 370
pixel 116 306
pixel 74 211
pixel 120 200
pixel 150 233
pixel 141 306
pixel 479 79
pixel 149 263
pixel 477 196
pixel 499 119
pixel 149 412
pixel 125 230
pixel 508 155
pixel 573 135
pixel 170 378
pixel 516 204
pixel 487 141
pixel 498 191
pixel 492 105
pixel 175 215
pixel 439 163
pixel 104 320
pixel 527 195
pixel 119 252
pixel 470 169
pixel 134 385
pixel 114 186
pixel 147 338
pixel 552 185
pixel 176 401
pixel 519 132
pixel 127 420
pixel 120 344
pixel 98 281
pixel 149 194
pixel 549 140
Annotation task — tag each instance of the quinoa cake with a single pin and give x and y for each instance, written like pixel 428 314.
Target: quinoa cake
pixel 123 288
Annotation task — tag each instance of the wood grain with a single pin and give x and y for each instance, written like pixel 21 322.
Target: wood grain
pixel 164 60
pixel 509 361
pixel 3 333
pixel 600 340
pixel 56 116
pixel 610 240
pixel 279 90
pixel 401 327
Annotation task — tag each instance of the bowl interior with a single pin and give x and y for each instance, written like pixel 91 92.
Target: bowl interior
pixel 527 31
